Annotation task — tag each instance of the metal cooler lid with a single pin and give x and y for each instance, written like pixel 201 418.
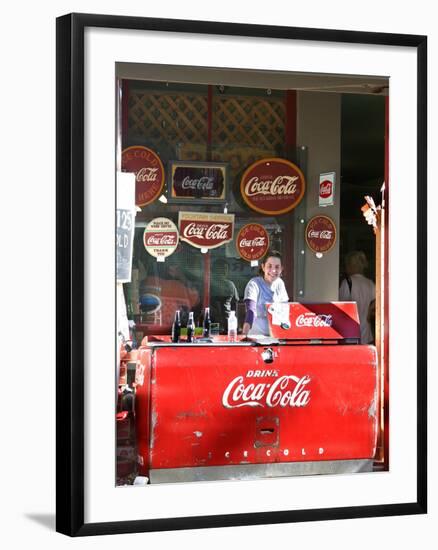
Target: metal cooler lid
pixel 318 321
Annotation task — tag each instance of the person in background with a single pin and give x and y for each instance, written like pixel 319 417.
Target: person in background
pixel 372 320
pixel 223 293
pixel 356 287
pixel 267 288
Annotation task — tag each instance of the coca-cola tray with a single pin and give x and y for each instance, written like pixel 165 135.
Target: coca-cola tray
pixel 319 321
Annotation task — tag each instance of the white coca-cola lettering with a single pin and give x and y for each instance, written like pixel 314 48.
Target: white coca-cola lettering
pixel 314 320
pixel 261 373
pixel 204 183
pixel 324 234
pixel 147 174
pixel 258 241
pixel 160 240
pixel 281 185
pixel 210 232
pixel 325 189
pixel 286 391
pixel 217 232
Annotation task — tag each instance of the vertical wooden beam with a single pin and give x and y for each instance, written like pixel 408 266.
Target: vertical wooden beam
pixel 125 110
pixel 385 281
pixel 382 308
pixel 290 138
pixel 291 123
pixel 209 120
pixel 207 256
pixel 379 332
pixel 207 277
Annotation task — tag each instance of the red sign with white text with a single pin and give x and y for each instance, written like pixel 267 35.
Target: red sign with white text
pixel 204 230
pixel 326 189
pixel 321 234
pixel 316 321
pixel 272 186
pixel 149 173
pixel 252 242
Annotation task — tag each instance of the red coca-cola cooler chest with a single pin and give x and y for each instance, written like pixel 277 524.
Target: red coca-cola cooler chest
pixel 303 401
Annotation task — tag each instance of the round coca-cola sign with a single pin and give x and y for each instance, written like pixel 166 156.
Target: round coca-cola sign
pixel 149 173
pixel 252 242
pixel 321 234
pixel 160 237
pixel 272 186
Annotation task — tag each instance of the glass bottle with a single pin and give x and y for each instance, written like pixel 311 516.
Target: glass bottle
pixel 232 327
pixel 206 323
pixel 176 327
pixel 190 328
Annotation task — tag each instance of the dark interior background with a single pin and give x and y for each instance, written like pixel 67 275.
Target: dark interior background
pixel 362 170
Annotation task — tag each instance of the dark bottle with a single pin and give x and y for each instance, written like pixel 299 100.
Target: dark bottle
pixel 206 323
pixel 190 327
pixel 176 327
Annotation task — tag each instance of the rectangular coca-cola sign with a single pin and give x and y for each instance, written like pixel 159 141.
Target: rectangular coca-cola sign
pixel 327 189
pixel 206 230
pixel 197 182
pixel 323 321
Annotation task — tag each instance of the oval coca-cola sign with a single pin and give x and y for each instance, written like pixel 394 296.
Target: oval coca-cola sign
pixel 252 242
pixel 148 170
pixel 321 234
pixel 272 186
pixel 160 237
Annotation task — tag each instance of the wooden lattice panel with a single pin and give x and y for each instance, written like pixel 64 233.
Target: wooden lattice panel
pixel 171 118
pixel 178 119
pixel 249 121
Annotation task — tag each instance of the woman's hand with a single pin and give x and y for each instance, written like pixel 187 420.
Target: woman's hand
pixel 245 329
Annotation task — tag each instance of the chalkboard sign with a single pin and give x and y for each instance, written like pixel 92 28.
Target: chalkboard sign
pixel 124 240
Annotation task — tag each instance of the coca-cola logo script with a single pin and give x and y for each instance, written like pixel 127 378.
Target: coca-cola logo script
pixel 321 234
pixel 149 173
pixel 252 242
pixel 160 237
pixel 272 186
pixel 205 181
pixel 205 230
pixel 315 320
pixel 284 391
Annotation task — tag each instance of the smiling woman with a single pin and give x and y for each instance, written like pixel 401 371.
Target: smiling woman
pixel 267 288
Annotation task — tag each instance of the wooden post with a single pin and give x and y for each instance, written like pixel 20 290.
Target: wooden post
pixel 380 331
pixel 207 256
pixel 207 278
pixel 376 216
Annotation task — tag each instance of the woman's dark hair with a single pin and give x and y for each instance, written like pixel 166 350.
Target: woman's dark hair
pixel 269 254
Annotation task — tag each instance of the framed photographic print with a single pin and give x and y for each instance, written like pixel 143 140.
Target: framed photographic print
pixel 201 389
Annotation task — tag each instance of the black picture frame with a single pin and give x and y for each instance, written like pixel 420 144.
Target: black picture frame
pixel 71 304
